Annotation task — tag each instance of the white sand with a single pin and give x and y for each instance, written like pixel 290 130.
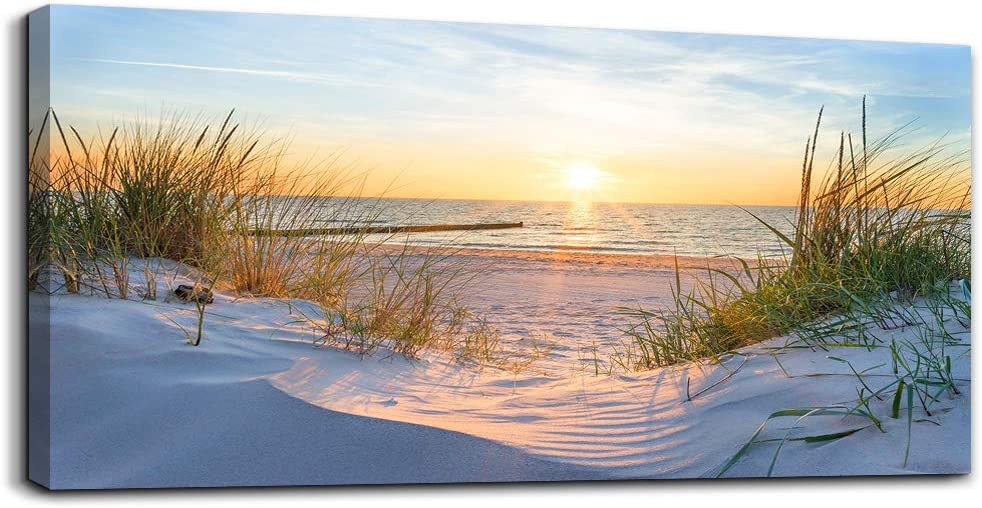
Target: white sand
pixel 134 406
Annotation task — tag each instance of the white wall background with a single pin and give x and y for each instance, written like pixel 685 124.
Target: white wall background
pixel 942 21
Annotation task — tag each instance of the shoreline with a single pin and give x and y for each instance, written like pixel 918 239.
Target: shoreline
pixel 556 257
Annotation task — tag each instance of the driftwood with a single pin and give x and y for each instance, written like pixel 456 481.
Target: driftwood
pixel 194 294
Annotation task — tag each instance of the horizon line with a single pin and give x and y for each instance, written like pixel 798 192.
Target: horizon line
pixel 592 201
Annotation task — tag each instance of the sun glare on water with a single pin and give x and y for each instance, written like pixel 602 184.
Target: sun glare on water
pixel 582 177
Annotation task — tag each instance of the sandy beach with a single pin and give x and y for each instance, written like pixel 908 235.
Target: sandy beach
pixel 133 405
pixel 267 250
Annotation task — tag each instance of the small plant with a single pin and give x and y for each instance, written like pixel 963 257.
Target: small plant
pixel 802 414
pixel 404 301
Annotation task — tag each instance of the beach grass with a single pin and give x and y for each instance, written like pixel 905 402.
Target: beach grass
pixel 880 244
pixel 917 386
pixel 882 225
pixel 206 193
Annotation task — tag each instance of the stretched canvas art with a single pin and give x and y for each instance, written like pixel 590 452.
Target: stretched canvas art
pixel 299 250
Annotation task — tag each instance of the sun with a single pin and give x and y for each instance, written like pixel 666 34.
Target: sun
pixel 582 177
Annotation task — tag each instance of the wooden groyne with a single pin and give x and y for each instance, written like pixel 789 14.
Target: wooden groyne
pixel 385 229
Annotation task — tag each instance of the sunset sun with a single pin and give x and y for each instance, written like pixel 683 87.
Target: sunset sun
pixel 582 177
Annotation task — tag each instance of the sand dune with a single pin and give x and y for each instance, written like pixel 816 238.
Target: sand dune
pixel 257 404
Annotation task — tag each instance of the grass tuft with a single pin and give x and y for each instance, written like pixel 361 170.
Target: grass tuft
pixel 208 193
pixel 878 227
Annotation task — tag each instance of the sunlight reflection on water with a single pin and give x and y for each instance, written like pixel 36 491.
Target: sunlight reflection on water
pixel 631 228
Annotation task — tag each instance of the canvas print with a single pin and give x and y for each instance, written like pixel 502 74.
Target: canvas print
pixel 299 250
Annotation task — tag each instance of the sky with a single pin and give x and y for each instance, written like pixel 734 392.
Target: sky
pixel 481 111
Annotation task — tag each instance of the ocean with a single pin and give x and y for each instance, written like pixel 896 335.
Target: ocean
pixel 616 228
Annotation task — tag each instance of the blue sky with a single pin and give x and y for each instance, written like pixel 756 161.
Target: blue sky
pixel 659 116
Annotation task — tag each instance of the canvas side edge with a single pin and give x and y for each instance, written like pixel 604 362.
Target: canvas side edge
pixel 38 426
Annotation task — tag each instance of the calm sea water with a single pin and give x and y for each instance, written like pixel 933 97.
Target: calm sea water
pixel 699 230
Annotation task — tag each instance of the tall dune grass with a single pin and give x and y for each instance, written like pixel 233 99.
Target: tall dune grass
pixel 38 234
pixel 147 190
pixel 208 194
pixel 880 223
pixel 290 198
